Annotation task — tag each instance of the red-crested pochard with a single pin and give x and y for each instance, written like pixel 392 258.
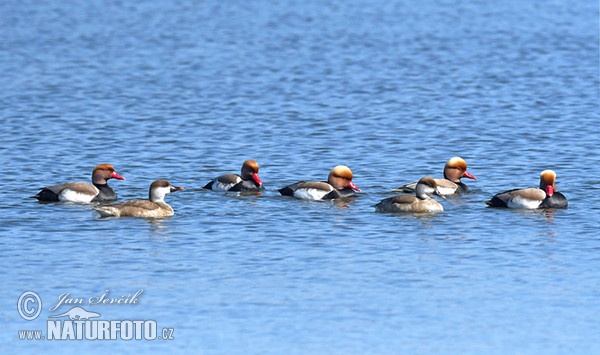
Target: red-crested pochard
pixel 154 207
pixel 247 181
pixel 547 196
pixel 339 184
pixel 83 192
pixel 454 170
pixel 414 204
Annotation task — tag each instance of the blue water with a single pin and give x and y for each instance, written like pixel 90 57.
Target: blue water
pixel 188 90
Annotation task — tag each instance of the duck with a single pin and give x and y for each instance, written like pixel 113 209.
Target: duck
pixel 248 180
pixel 454 170
pixel 546 196
pixel 339 185
pixel 420 203
pixel 154 207
pixel 83 192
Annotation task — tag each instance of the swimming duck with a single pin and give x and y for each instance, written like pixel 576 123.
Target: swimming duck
pixel 547 196
pixel 247 181
pixel 419 203
pixel 154 207
pixel 339 184
pixel 454 170
pixel 83 192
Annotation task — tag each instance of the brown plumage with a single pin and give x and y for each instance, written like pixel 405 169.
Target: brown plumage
pixel 154 207
pixel 419 203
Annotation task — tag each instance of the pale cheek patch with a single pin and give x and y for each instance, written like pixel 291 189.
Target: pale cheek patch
pixel 160 193
pixel 74 196
pixel 520 202
pixel 310 194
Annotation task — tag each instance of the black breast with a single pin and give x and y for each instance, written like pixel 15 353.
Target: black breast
pixel 343 193
pixel 557 200
pixel 246 185
pixel 106 193
pixel 462 188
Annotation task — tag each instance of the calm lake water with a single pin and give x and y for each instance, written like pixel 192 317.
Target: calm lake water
pixel 188 90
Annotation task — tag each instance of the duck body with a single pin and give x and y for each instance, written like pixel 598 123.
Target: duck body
pixel 445 186
pixel 154 207
pixel 454 170
pixel 315 190
pixel 247 181
pixel 233 183
pixel 410 204
pixel 420 203
pixel 83 192
pixel 546 196
pixel 137 208
pixel 338 185
pixel 530 198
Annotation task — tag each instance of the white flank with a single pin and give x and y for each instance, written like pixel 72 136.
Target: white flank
pixel 219 186
pixel 446 190
pixel 520 202
pixel 74 196
pixel 310 194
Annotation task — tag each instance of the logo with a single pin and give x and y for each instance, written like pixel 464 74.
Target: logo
pixel 25 307
pixel 77 313
pixel 79 323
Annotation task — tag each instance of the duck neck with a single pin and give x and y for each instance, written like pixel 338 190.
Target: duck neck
pixel 421 193
pixel 156 196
